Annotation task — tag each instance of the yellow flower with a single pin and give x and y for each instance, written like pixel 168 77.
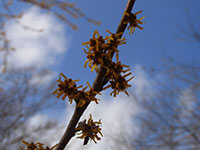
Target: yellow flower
pixel 89 130
pixel 96 51
pixel 117 81
pixel 113 41
pixel 115 69
pixel 36 146
pixel 100 50
pixel 66 88
pixel 133 21
pixel 119 84
pixel 82 97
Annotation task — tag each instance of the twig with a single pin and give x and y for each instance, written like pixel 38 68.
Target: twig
pixel 97 86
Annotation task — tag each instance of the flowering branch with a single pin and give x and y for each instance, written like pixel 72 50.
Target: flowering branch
pixel 100 51
pixel 98 84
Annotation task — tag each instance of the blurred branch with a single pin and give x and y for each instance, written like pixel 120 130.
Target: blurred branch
pixel 171 117
pixel 192 30
pixel 20 100
pixel 62 10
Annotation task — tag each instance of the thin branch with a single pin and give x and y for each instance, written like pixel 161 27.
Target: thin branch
pixel 97 86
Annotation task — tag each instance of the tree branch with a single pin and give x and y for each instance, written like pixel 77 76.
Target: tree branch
pixel 97 86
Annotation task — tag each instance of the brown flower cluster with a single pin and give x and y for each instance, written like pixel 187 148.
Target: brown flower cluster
pixel 68 88
pixel 133 21
pixel 37 146
pixel 100 52
pixel 89 130
pixel 117 81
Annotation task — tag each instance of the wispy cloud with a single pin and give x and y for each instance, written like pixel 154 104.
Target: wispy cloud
pixel 34 48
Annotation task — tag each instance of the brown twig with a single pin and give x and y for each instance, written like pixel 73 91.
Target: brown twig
pixel 97 86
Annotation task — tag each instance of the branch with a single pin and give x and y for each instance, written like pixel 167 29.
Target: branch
pixel 97 86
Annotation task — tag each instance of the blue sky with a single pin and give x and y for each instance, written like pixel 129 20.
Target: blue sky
pixel 159 38
pixel 148 47
pixel 59 47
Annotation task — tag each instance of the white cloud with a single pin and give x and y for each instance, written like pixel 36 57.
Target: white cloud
pixel 42 78
pixel 117 122
pixel 144 86
pixel 41 121
pixel 117 115
pixel 33 122
pixel 35 48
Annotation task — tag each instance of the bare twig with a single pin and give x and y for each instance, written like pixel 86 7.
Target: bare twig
pixel 97 86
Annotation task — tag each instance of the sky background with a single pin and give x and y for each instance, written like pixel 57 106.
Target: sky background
pixel 148 47
pixel 160 37
pixel 59 48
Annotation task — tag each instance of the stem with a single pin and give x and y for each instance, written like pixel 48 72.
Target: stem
pixel 97 86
